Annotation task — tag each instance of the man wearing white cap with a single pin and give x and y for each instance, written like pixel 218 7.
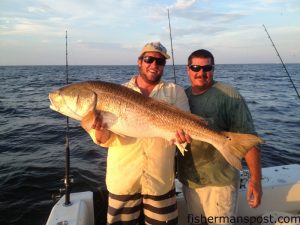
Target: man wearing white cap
pixel 140 171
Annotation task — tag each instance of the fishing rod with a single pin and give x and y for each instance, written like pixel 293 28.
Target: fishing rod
pixel 282 61
pixel 171 46
pixel 67 181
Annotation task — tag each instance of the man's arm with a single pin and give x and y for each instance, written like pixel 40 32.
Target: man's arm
pixel 253 161
pixel 93 121
pixel 97 129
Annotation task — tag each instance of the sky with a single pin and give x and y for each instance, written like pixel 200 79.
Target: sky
pixel 113 32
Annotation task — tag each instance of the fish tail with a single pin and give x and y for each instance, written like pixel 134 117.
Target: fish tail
pixel 237 145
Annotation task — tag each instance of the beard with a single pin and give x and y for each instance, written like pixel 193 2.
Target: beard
pixel 154 79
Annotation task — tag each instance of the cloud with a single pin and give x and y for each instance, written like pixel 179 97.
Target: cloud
pixel 203 15
pixel 194 12
pixel 182 4
pixel 202 30
pixel 98 45
pixel 114 26
pixel 32 9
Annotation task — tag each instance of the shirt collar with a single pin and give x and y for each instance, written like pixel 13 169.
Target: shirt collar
pixel 132 84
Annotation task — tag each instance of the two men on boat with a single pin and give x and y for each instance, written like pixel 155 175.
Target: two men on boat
pixel 140 172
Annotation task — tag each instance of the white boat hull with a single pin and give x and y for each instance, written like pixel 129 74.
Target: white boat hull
pixel 281 193
pixel 79 212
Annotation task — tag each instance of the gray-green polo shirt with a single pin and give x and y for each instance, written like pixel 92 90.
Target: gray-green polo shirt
pixel 225 110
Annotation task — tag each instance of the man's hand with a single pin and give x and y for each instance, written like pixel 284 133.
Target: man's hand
pixel 181 137
pixel 254 193
pixel 253 161
pixel 94 120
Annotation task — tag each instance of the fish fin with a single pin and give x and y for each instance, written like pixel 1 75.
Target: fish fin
pixel 237 145
pixel 109 118
pixel 89 98
pixel 88 120
pixel 181 148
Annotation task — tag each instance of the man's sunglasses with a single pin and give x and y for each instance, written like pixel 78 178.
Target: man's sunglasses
pixel 151 59
pixel 197 68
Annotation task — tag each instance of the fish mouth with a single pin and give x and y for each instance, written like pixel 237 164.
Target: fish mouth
pixel 58 104
pixel 52 105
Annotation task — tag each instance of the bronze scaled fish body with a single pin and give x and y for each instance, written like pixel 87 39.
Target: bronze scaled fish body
pixel 129 113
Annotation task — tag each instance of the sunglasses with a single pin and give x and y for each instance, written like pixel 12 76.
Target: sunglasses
pixel 197 68
pixel 151 59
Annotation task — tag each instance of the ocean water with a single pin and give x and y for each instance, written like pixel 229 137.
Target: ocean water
pixel 32 137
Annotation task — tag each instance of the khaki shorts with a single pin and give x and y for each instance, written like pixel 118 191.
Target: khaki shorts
pixel 211 205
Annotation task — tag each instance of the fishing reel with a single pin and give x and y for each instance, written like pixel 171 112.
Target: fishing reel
pixel 63 191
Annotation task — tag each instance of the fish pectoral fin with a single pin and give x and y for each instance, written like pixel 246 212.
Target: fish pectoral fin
pixel 109 118
pixel 181 147
pixel 114 124
pixel 88 120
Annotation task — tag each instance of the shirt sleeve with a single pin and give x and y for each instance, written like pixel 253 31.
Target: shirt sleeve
pixel 240 118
